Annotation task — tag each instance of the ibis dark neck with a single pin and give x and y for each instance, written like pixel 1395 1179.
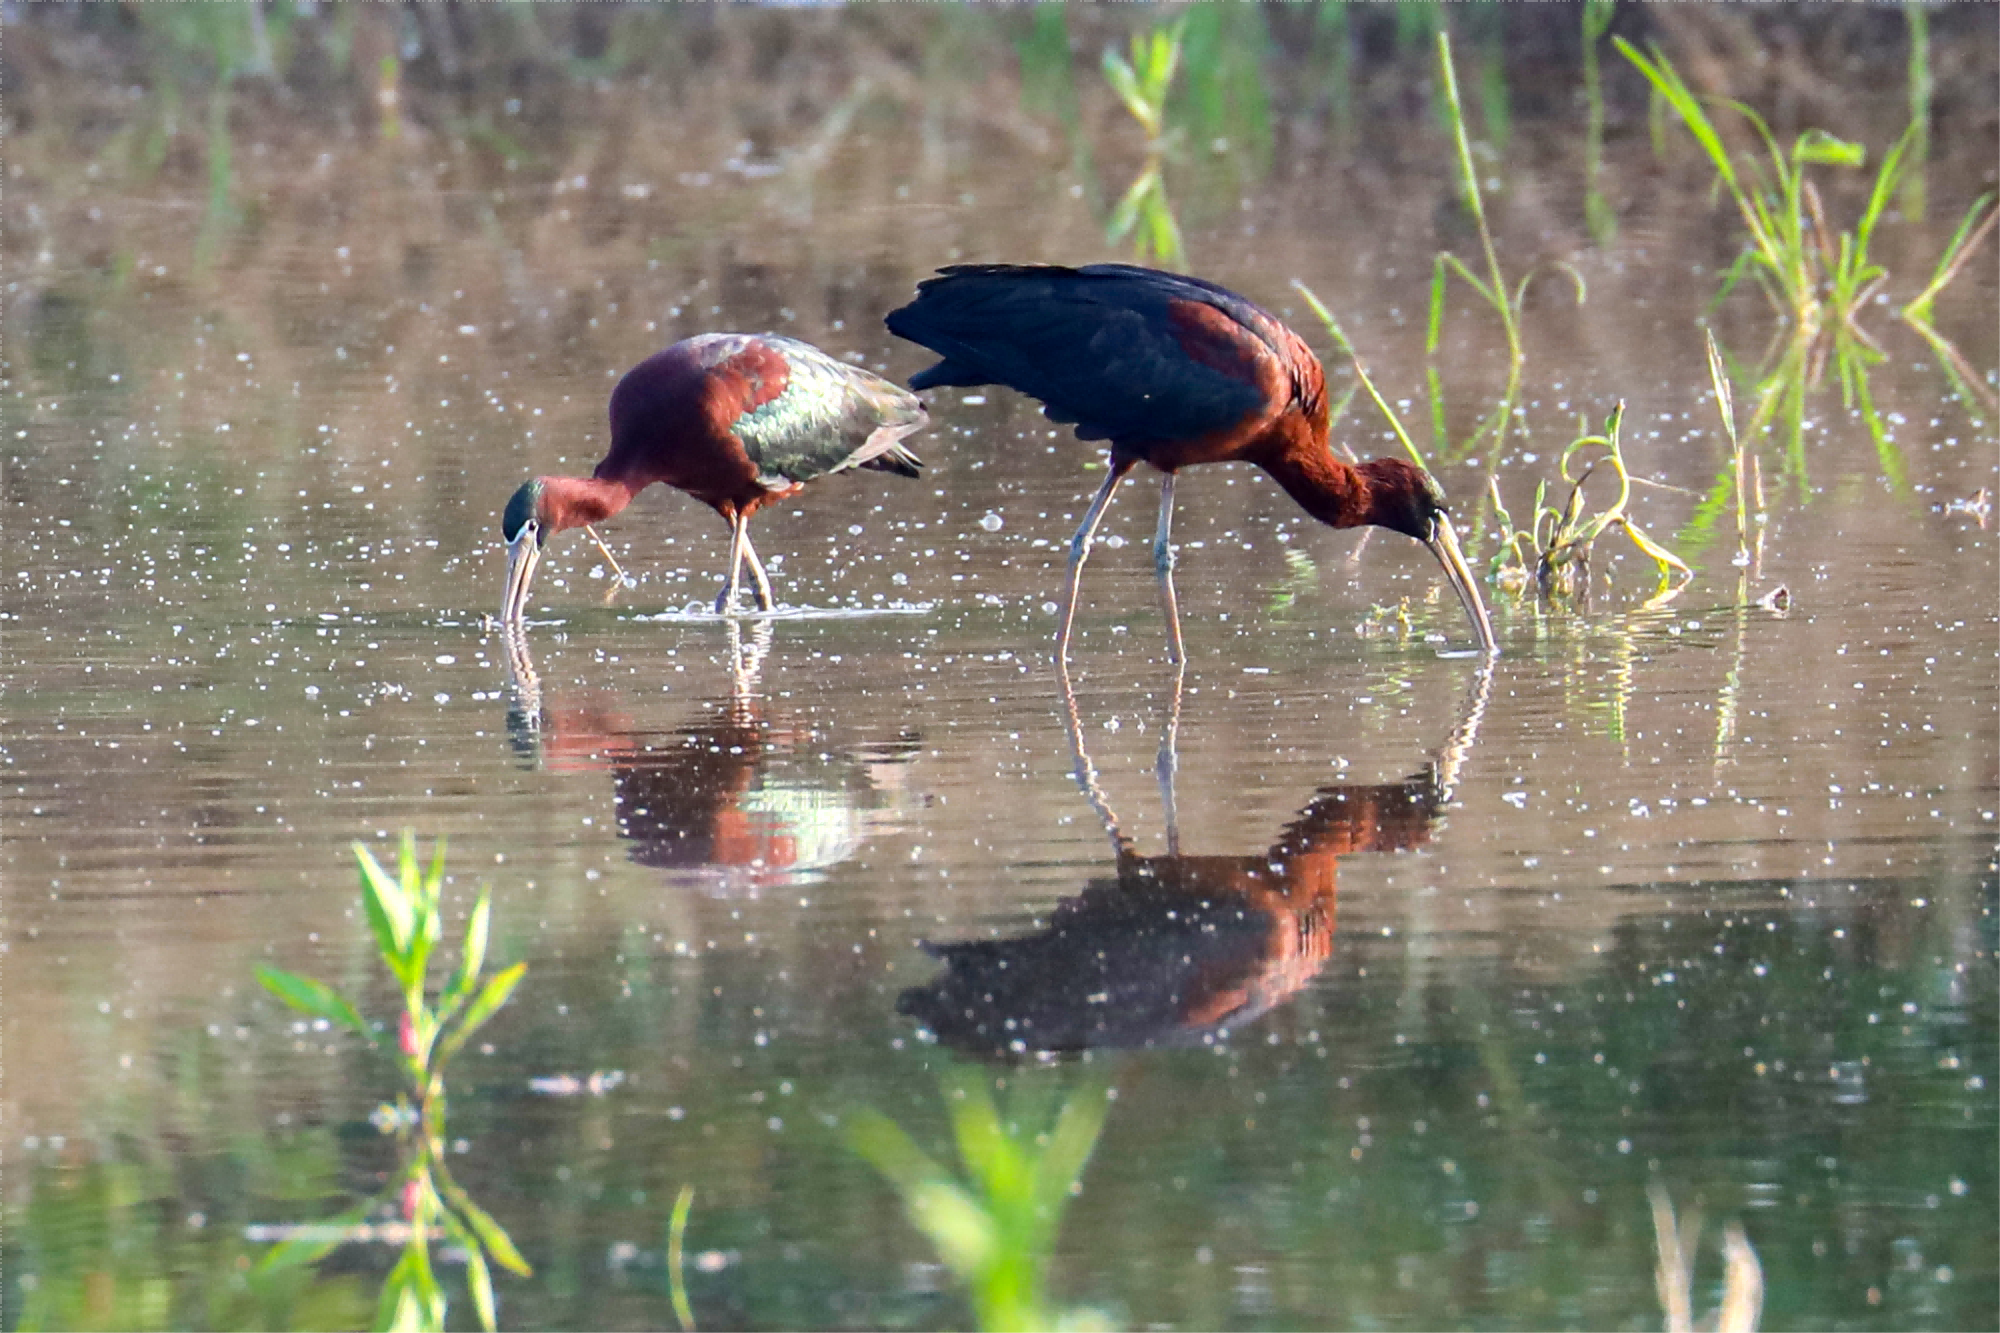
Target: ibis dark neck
pixel 572 502
pixel 1328 489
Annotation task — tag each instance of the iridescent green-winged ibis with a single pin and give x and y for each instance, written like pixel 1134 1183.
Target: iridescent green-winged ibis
pixel 1171 371
pixel 737 421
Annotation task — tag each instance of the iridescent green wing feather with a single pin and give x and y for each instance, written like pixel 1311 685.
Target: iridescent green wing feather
pixel 831 416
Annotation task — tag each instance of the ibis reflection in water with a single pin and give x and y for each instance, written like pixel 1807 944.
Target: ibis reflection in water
pixel 734 797
pixel 1172 949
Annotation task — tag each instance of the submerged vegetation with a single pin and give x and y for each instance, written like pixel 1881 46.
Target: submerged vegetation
pixel 995 1228
pixel 1554 549
pixel 406 919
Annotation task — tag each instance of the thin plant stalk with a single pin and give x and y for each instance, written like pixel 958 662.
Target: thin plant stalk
pixel 1971 234
pixel 676 1268
pixel 1916 187
pixel 1726 404
pixel 1495 290
pixel 1361 371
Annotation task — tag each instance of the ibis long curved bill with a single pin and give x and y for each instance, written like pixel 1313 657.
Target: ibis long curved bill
pixel 524 552
pixel 1443 543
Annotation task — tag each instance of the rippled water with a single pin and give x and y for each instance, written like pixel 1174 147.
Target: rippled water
pixel 1408 981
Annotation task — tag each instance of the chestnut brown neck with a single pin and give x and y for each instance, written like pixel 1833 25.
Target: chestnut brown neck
pixel 572 502
pixel 1331 491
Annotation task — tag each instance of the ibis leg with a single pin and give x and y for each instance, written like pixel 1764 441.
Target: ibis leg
pixel 1081 767
pixel 757 574
pixel 739 537
pixel 1169 762
pixel 1163 565
pixel 1079 548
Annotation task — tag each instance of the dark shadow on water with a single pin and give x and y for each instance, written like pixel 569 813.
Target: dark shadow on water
pixel 736 795
pixel 1174 950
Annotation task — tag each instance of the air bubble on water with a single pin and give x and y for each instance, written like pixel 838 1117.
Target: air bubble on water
pixel 992 522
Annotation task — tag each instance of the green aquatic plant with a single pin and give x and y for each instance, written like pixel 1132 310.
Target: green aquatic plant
pixel 1741 460
pixel 1339 336
pixel 1143 84
pixel 1554 549
pixel 1972 231
pixel 995 1226
pixel 1506 301
pixel 1493 290
pixel 1805 271
pixel 1916 192
pixel 405 916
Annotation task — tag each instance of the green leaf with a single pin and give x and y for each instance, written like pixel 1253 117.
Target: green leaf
pixel 472 956
pixel 1126 84
pixel 410 1297
pixel 314 997
pixel 1126 215
pixel 490 999
pixel 490 1233
pixel 326 1237
pixel 1817 146
pixel 390 912
pixel 963 1233
pixel 480 1279
pixel 889 1149
pixel 1659 554
pixel 991 1157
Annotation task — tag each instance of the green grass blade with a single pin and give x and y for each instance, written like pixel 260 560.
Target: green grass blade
pixel 1964 241
pixel 1486 293
pixel 1339 336
pixel 1125 83
pixel 676 1259
pixel 1917 21
pixel 1436 328
pixel 314 997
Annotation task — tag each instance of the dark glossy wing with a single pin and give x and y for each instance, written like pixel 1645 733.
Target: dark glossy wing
pixel 824 416
pixel 1127 354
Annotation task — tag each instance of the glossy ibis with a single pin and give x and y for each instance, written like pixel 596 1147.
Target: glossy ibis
pixel 737 421
pixel 1171 371
pixel 1172 948
pixel 730 798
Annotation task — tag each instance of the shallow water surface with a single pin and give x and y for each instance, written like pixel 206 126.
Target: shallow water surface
pixel 1408 979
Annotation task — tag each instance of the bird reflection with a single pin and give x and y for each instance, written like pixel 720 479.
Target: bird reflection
pixel 1172 949
pixel 734 797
